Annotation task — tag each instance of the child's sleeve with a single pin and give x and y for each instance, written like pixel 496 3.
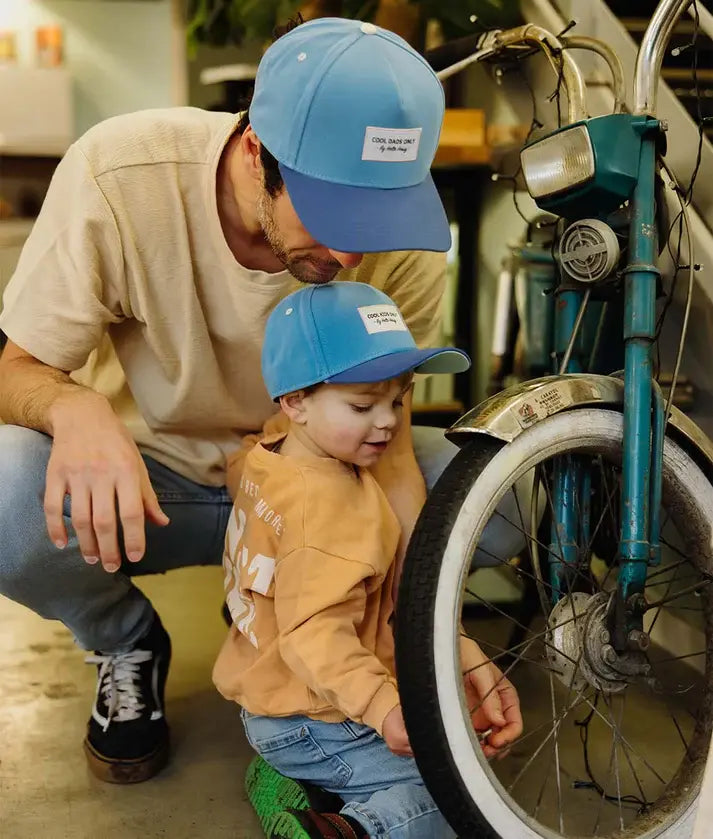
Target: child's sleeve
pixel 320 600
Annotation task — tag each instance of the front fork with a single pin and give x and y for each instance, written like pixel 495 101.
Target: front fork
pixel 571 480
pixel 644 422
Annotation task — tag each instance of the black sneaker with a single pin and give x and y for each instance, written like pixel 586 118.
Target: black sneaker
pixel 127 734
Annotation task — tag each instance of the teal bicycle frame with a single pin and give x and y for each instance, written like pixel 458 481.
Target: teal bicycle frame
pixel 643 406
pixel 623 152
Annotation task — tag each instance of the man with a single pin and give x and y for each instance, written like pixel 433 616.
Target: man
pixel 135 321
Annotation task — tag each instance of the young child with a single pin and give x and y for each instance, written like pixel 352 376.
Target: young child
pixel 309 565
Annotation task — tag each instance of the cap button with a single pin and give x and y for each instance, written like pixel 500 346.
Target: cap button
pixel 368 28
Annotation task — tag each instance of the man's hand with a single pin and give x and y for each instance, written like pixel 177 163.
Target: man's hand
pixel 494 701
pixel 95 460
pixel 394 733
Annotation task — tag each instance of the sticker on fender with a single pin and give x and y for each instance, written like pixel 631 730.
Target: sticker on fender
pixel 541 405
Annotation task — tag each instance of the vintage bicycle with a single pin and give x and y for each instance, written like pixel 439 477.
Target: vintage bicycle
pixel 591 491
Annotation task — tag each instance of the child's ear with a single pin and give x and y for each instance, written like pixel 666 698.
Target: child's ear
pixel 294 406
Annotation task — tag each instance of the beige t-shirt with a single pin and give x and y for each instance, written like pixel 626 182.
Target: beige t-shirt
pixel 127 282
pixel 309 565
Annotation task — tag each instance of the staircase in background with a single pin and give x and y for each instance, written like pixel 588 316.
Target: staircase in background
pixel 677 73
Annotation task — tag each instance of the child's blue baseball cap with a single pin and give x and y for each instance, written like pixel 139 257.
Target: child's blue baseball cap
pixel 353 114
pixel 344 333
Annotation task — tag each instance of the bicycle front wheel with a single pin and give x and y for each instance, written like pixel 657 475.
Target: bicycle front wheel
pixel 614 742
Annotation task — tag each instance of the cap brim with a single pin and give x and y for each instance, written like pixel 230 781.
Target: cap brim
pixel 394 364
pixel 355 219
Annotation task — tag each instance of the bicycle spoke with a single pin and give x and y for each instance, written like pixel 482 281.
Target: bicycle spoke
pixel 612 514
pixel 557 757
pixel 541 795
pixel 535 565
pixel 626 753
pixel 578 700
pixel 507 563
pixel 673 716
pixel 557 557
pixel 521 625
pixel 628 745
pixel 676 657
pixel 599 524
pixel 674 578
pixel 502 653
pixel 658 611
pixel 503 677
pixel 674 549
pixel 665 570
pixel 603 796
pixel 682 593
pixel 615 736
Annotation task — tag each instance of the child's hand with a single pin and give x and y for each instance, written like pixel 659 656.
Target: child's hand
pixel 495 703
pixel 394 733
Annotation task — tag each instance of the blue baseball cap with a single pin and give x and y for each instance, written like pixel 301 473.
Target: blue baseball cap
pixel 353 114
pixel 344 333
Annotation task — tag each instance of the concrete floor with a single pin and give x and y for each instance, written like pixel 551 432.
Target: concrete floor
pixel 46 692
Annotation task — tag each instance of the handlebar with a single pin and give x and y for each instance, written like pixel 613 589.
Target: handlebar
pixel 558 57
pixel 453 52
pixel 455 56
pixel 474 48
pixel 581 42
pixel 651 52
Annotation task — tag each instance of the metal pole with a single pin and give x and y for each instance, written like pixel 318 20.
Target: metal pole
pixel 651 52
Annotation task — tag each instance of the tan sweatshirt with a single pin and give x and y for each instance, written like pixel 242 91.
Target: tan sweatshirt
pixel 308 573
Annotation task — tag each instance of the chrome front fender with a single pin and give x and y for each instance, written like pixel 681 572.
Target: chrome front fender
pixel 510 412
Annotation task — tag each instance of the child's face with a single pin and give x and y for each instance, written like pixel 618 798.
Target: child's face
pixel 354 423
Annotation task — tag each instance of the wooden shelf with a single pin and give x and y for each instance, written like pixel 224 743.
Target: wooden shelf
pixel 437 407
pixel 463 139
pixel 53 148
pixel 685 74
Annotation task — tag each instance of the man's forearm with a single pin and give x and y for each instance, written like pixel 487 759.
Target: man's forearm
pixel 31 392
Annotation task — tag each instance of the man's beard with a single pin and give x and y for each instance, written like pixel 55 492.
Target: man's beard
pixel 305 268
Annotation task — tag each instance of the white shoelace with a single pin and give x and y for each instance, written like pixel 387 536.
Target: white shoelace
pixel 119 685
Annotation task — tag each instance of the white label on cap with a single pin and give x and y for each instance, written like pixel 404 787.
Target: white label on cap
pixel 382 319
pixel 391 144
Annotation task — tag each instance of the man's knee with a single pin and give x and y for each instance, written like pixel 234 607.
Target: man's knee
pixel 23 464
pixel 433 452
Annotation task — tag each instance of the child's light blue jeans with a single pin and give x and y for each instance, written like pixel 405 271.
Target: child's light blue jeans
pixel 382 791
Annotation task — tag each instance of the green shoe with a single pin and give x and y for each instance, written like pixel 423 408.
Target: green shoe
pixel 287 825
pixel 270 793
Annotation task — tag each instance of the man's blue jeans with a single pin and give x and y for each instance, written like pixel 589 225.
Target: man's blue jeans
pixel 106 611
pixel 382 791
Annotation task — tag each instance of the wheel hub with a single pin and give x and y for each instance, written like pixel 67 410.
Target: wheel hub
pixel 578 647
